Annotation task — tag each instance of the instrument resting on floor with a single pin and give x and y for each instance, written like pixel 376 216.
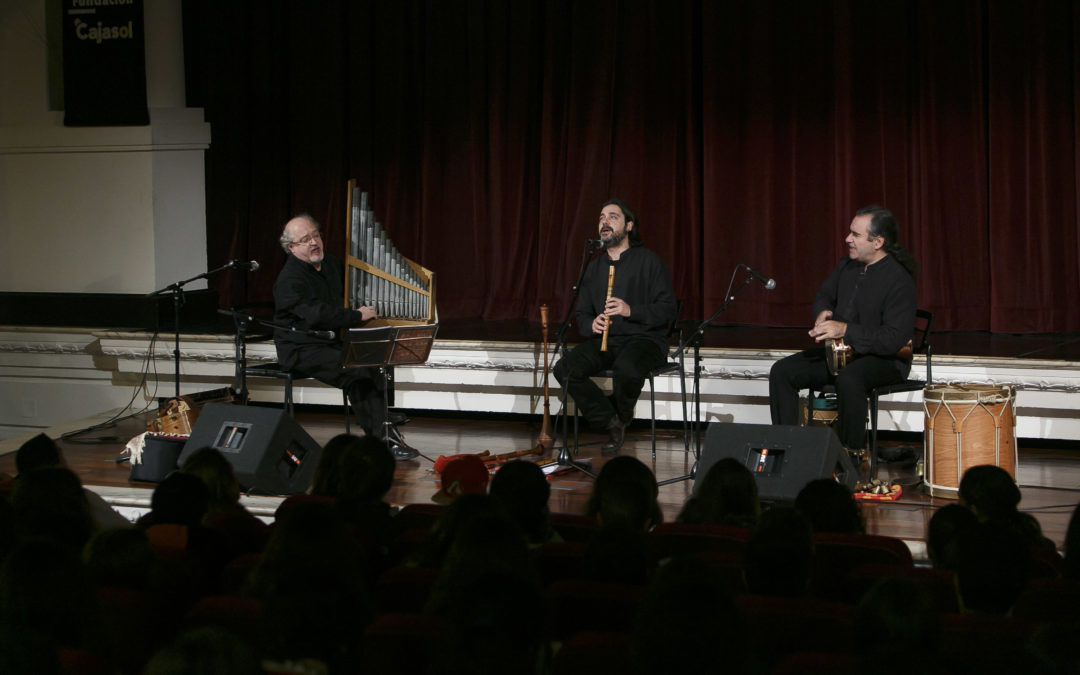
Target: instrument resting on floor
pixel 967 425
pixel 401 291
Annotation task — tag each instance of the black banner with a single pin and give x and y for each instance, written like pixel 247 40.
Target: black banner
pixel 104 63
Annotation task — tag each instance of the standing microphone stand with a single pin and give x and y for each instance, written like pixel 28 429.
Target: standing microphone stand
pixel 177 290
pixel 695 339
pixel 565 457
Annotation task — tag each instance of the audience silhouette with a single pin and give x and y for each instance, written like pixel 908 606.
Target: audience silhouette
pixel 312 575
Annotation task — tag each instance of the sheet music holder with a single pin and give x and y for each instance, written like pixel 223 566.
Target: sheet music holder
pixel 387 346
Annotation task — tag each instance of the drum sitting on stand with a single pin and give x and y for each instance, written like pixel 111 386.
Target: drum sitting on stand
pixel 967 425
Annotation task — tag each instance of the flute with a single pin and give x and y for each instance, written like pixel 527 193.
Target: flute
pixel 545 438
pixel 610 283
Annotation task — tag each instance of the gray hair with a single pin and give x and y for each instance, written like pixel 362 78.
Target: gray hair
pixel 285 239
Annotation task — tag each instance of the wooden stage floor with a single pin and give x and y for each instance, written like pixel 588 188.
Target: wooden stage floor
pixel 92 456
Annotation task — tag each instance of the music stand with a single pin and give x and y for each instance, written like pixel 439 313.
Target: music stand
pixel 384 347
pixel 695 340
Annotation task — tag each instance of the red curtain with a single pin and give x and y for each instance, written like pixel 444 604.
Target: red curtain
pixel 489 133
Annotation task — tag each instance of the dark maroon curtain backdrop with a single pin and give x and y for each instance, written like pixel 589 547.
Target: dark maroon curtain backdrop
pixel 489 133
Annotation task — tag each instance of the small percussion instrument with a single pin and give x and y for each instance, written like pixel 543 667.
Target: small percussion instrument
pixel 967 425
pixel 838 354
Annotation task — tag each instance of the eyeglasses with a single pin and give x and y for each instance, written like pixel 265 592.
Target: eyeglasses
pixel 307 240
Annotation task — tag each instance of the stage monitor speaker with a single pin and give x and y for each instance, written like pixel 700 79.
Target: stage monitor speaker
pixel 270 453
pixel 782 458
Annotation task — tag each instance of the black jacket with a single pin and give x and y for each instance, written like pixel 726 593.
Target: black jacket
pixel 310 299
pixel 643 282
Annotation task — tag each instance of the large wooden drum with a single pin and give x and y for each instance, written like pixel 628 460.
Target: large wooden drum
pixel 967 425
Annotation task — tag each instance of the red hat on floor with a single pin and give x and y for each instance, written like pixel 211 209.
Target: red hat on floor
pixel 466 475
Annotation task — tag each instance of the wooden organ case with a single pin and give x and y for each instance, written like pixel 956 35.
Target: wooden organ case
pixel 401 291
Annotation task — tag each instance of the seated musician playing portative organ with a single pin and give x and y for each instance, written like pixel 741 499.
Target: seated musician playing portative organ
pixel 309 295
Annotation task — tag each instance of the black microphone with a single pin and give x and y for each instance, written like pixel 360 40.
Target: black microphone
pixel 244 265
pixel 326 334
pixel 596 244
pixel 769 283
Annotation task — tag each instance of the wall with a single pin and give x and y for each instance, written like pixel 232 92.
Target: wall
pixel 98 209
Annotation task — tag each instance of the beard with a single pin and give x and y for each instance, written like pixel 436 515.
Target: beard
pixel 614 239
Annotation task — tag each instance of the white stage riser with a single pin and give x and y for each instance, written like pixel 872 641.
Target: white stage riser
pixel 51 376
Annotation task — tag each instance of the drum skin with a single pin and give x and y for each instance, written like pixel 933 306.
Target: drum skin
pixel 967 425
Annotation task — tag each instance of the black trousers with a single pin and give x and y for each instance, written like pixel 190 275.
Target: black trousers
pixel 808 369
pixel 630 363
pixel 366 387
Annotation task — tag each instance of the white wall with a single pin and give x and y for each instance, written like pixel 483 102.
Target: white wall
pixel 98 209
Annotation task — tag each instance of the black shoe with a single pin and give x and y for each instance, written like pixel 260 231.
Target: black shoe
pixel 397 418
pixel 403 452
pixel 616 436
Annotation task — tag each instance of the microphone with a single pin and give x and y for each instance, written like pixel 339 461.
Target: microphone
pixel 244 265
pixel 769 283
pixel 596 244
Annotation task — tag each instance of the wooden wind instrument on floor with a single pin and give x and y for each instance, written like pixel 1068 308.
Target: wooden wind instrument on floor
pixel 545 437
pixel 610 284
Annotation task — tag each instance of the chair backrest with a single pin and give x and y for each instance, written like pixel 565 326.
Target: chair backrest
pixel 673 327
pixel 924 320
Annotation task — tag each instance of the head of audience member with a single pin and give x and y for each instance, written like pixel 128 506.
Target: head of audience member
pixel 524 490
pixel 494 626
pixel 354 468
pixel 37 453
pixel 465 475
pixel 1072 547
pixel 454 519
pixel 728 495
pixel 7 529
pixel 993 567
pixel 687 604
pixel 486 546
pixel 180 499
pixel 617 554
pixel 50 502
pixel 626 469
pixel 778 559
pixel 311 574
pixel 943 535
pixel 211 650
pixel 830 507
pixel 44 591
pixel 211 467
pixel 990 492
pixel 897 611
pixel 121 557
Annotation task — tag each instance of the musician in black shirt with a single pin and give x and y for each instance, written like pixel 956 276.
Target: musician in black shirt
pixel 309 294
pixel 636 316
pixel 869 300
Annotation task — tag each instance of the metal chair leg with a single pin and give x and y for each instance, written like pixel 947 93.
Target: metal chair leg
pixel 652 409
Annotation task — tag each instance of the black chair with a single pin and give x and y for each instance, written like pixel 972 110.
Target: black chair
pixel 673 365
pixel 275 370
pixel 921 341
